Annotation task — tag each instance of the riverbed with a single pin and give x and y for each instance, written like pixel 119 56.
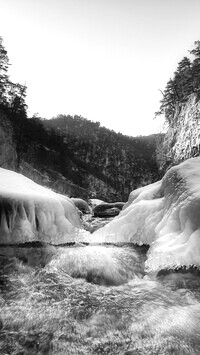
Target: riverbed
pixel 95 299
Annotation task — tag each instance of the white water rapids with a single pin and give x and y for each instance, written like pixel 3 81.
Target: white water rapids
pixel 95 300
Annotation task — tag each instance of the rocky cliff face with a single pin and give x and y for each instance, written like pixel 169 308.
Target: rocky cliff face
pixel 182 140
pixel 8 155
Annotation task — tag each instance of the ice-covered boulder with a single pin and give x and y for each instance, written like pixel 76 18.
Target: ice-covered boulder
pixel 30 212
pixel 95 202
pixel 165 215
pixel 81 204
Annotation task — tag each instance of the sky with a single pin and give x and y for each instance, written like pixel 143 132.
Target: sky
pixel 105 60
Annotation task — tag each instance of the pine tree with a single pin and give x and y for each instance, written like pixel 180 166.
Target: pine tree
pixel 183 79
pixel 169 100
pixel 4 82
pixel 186 81
pixel 12 95
pixel 196 67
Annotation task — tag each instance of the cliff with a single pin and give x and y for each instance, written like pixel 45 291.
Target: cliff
pixel 8 155
pixel 182 139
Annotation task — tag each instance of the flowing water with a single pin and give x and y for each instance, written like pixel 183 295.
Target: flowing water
pixel 95 299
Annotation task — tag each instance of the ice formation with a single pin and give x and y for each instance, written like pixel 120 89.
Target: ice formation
pixel 165 215
pixel 30 212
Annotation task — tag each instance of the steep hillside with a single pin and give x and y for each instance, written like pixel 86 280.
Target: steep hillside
pixel 84 161
pixel 110 164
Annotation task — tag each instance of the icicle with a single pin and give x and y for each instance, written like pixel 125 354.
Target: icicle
pixel 32 212
pixel 4 224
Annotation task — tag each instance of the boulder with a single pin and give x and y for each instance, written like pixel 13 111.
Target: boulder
pixel 81 204
pixel 93 202
pixel 108 209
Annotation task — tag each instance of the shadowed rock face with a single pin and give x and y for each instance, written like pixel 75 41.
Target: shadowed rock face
pixel 8 155
pixel 81 205
pixel 108 209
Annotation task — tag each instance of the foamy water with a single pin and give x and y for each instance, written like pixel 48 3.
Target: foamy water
pixel 95 300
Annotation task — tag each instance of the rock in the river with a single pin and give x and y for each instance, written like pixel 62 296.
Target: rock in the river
pixel 95 202
pixel 108 209
pixel 91 223
pixel 81 204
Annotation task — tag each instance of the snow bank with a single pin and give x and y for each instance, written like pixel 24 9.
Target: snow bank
pixel 165 215
pixel 30 212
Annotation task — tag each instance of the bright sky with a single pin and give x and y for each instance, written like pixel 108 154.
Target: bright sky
pixel 102 59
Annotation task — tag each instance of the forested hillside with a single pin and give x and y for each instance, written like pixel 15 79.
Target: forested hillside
pixel 121 162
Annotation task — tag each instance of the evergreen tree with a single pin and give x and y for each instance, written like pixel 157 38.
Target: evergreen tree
pixel 182 79
pixel 12 95
pixel 4 83
pixel 196 67
pixel 17 97
pixel 169 100
pixel 186 81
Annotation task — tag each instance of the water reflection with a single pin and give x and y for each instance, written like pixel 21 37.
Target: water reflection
pixel 96 300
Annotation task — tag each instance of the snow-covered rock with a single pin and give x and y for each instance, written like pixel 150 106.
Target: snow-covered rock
pixel 30 212
pixel 81 204
pixel 95 202
pixel 165 215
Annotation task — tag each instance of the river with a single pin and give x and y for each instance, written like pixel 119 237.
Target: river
pixel 95 299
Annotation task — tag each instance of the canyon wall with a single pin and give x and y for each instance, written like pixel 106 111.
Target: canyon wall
pixel 8 155
pixel 182 139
